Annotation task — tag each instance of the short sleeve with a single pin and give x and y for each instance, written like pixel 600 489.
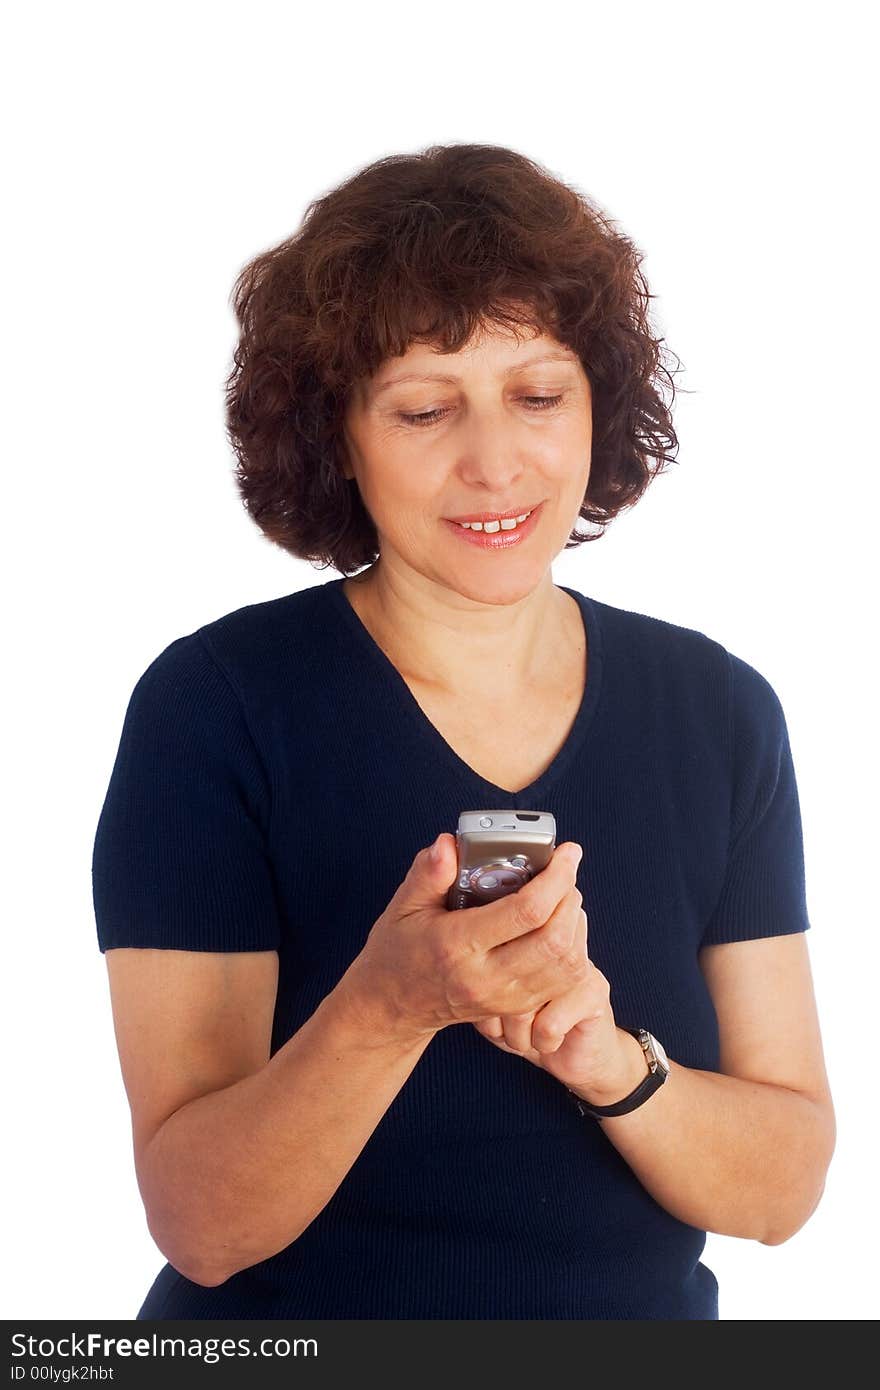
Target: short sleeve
pixel 764 889
pixel 180 854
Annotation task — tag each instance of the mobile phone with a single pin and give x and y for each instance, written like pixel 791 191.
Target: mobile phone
pixel 498 852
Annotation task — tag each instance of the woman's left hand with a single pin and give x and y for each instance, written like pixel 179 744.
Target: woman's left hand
pixel 574 1038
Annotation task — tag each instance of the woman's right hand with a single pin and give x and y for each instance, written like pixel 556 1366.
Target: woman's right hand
pixel 424 967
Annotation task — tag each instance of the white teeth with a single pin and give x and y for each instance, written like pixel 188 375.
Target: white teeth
pixel 492 526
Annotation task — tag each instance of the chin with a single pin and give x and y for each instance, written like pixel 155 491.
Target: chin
pixel 498 589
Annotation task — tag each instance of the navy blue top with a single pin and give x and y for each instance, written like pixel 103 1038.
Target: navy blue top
pixel 274 780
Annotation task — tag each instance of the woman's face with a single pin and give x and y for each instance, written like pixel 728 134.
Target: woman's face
pixel 504 424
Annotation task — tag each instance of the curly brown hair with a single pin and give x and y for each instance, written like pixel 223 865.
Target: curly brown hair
pixel 430 247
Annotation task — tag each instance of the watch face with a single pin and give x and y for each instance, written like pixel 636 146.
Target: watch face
pixel 660 1052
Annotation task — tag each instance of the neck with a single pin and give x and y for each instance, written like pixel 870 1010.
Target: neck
pixel 457 643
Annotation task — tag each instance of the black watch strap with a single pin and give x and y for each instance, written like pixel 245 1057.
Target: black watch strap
pixel 652 1082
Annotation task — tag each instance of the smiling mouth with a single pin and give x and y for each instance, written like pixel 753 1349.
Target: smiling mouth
pixel 499 533
pixel 507 524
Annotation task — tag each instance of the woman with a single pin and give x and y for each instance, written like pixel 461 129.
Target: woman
pixel 348 1102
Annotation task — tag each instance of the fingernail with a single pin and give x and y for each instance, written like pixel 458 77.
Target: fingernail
pixel 434 852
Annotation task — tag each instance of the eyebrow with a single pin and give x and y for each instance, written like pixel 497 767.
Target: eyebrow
pixel 451 380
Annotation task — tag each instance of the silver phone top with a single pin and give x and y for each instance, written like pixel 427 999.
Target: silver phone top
pixel 504 821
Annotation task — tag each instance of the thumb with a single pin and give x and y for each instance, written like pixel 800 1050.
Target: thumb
pixel 433 871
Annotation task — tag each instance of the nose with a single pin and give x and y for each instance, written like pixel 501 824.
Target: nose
pixel 491 455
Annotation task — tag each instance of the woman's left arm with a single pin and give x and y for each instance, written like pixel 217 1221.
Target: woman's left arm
pixel 740 1152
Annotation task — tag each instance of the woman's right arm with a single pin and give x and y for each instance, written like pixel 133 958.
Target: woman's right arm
pixel 236 1152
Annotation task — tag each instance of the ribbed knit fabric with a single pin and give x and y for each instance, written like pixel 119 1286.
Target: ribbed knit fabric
pixel 275 778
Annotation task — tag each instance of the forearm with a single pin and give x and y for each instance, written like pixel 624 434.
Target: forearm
pixel 741 1158
pixel 234 1176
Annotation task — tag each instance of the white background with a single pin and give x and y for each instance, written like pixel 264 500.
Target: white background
pixel 150 153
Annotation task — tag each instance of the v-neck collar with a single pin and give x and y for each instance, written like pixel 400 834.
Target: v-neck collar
pixel 529 797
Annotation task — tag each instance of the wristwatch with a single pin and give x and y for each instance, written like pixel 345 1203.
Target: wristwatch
pixel 658 1064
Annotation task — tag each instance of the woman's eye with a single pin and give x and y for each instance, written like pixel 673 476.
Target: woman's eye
pixel 430 417
pixel 427 418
